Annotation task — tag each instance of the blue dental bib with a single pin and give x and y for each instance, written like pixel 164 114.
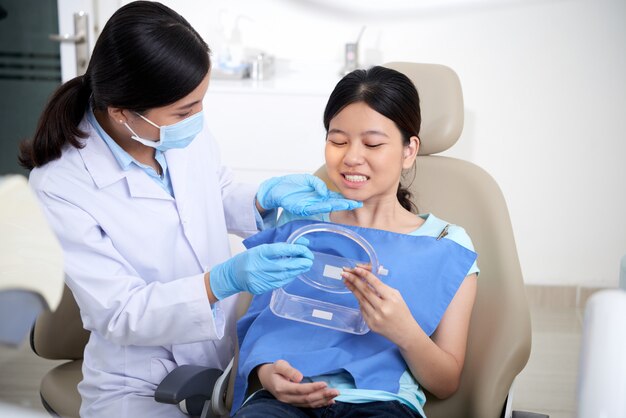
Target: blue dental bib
pixel 426 270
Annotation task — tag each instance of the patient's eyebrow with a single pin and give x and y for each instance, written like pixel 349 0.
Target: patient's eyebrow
pixel 374 132
pixel 336 131
pixel 365 133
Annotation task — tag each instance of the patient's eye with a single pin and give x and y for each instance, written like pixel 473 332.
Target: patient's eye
pixel 336 141
pixel 374 138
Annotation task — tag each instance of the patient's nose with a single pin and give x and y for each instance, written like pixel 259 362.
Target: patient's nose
pixel 353 156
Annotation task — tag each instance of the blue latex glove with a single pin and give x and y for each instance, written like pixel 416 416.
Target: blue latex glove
pixel 302 194
pixel 260 269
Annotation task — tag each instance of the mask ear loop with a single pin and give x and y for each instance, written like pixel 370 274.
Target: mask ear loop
pixel 146 142
pixel 149 121
pixel 131 130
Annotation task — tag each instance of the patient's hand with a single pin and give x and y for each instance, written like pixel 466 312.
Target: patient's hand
pixel 283 381
pixel 383 307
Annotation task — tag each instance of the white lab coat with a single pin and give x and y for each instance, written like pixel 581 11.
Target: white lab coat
pixel 135 259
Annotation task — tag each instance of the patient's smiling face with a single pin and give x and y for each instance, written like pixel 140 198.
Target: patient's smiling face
pixel 365 155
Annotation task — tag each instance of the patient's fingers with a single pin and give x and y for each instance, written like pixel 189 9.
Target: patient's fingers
pixel 363 294
pixel 284 385
pixel 380 304
pixel 285 369
pixel 366 283
pixel 310 395
pixel 366 273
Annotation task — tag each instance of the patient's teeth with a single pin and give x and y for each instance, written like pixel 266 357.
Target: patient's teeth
pixel 355 178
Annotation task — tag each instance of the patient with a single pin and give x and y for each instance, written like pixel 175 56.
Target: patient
pixel 372 121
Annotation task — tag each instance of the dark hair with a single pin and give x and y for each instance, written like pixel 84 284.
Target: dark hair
pixel 388 92
pixel 147 56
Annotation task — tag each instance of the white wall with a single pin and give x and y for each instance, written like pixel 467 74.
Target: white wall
pixel 545 97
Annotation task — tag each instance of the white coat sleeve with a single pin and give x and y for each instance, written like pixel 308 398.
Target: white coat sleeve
pixel 234 197
pixel 114 301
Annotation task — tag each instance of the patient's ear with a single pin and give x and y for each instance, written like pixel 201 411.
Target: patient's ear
pixel 410 152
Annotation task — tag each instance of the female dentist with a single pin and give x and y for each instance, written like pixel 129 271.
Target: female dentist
pixel 131 182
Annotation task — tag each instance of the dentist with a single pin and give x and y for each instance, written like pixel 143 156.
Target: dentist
pixel 131 182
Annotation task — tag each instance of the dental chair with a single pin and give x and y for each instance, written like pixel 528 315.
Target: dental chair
pixel 460 192
pixel 60 335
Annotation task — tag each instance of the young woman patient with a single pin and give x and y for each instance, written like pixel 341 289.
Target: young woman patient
pixel 372 121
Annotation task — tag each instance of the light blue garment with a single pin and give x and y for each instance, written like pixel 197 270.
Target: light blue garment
pixel 437 270
pixel 410 392
pixel 125 160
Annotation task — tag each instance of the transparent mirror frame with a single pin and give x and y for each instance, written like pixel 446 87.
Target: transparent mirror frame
pixel 320 297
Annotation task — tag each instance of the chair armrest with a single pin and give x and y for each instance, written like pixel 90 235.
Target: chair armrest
pixel 524 414
pixel 185 382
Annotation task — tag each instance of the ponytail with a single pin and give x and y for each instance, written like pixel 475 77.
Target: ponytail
pixel 58 124
pixel 404 197
pixel 147 56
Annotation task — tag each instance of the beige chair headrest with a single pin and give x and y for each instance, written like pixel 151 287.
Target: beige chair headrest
pixel 441 102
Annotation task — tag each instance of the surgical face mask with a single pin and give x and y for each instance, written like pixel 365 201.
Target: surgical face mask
pixel 178 135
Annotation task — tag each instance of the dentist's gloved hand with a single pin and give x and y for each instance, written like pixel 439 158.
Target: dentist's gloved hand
pixel 302 194
pixel 260 269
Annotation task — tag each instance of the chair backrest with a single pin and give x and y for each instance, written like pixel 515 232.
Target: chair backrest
pixel 60 335
pixel 462 193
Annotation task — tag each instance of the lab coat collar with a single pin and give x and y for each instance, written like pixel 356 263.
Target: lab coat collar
pixel 105 169
pixel 178 168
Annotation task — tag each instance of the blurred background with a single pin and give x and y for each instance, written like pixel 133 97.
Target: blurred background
pixel 545 100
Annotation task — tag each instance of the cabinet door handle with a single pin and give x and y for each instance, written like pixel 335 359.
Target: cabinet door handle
pixel 78 38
